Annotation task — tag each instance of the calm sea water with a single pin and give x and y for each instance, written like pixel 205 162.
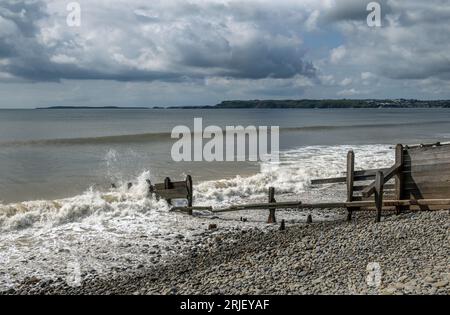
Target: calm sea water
pixel 48 154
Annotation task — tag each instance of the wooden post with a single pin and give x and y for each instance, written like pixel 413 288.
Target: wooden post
pixel 350 180
pixel 272 218
pixel 167 186
pixel 399 182
pixel 379 183
pixel 282 225
pixel 189 193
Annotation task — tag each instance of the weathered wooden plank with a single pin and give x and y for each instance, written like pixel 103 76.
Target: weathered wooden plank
pixel 427 192
pixel 434 183
pixel 424 145
pixel 188 209
pixel 177 188
pixel 399 177
pixel 430 161
pixel 442 186
pixel 172 185
pixel 445 148
pixel 350 180
pixel 190 193
pixel 334 180
pixel 444 202
pixel 370 172
pixel 387 187
pixel 362 175
pixel 263 206
pixel 370 189
pixel 435 179
pixel 350 174
pixel 340 180
pixel 271 199
pixel 428 167
pixel 432 153
pixel 393 203
pixel 379 182
pixel 173 194
pixel 386 196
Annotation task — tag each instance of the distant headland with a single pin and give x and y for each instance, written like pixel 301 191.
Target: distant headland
pixel 294 104
pixel 91 107
pixel 330 103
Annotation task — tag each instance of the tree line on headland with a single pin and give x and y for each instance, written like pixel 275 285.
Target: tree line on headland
pixel 330 103
pixel 300 104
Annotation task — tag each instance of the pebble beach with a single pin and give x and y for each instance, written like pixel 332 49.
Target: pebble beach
pixel 404 254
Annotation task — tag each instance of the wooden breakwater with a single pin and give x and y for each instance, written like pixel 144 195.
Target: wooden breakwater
pixel 419 180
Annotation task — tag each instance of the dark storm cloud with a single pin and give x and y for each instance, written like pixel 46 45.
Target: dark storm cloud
pixel 354 10
pixel 168 42
pixel 251 47
pixel 23 14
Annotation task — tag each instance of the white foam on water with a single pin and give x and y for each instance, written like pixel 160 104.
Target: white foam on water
pixel 293 174
pixel 48 213
pixel 105 231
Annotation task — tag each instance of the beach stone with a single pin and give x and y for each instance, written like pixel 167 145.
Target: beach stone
pixel 430 280
pixel 399 285
pixel 264 261
pixel 389 291
pixel 440 284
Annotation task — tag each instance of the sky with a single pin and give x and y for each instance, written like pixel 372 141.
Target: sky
pixel 201 52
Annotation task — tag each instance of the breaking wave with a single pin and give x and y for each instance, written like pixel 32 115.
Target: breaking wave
pixel 117 202
pixel 291 176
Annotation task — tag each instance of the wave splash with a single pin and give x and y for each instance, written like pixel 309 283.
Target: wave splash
pixel 116 202
pixel 291 176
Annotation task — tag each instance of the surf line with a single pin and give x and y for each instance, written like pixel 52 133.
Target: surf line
pixel 234 143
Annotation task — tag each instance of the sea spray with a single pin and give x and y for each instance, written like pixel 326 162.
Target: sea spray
pixel 115 202
pixel 291 176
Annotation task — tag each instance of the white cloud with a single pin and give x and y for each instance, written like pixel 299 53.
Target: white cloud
pixel 346 82
pixel 327 79
pixel 165 40
pixel 412 44
pixel 311 22
pixel 217 49
pixel 63 59
pixel 337 54
pixel 367 75
pixel 348 92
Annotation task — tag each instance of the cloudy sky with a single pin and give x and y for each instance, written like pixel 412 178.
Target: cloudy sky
pixel 200 52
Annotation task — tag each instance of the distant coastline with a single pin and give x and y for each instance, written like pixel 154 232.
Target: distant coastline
pixel 91 107
pixel 331 103
pixel 293 104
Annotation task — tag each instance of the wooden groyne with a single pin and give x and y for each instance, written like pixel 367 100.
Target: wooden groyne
pixel 419 180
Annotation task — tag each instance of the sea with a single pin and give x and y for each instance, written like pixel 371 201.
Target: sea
pixel 60 213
